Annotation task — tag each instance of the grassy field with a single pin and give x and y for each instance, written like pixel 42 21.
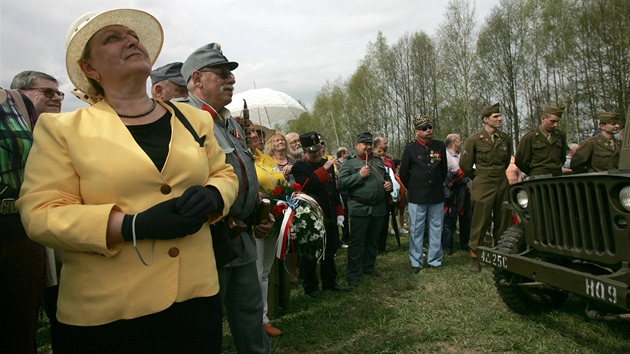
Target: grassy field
pixel 436 311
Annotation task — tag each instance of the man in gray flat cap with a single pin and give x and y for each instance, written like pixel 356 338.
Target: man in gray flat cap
pixel 168 83
pixel 210 85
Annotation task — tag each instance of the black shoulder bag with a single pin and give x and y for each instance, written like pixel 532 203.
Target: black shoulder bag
pixel 224 251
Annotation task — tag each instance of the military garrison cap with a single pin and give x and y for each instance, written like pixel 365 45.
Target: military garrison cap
pixel 208 55
pixel 490 110
pixel 608 117
pixel 365 137
pixel 310 142
pixel 554 110
pixel 171 72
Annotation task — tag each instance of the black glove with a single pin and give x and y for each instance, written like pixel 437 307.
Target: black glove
pixel 162 222
pixel 198 201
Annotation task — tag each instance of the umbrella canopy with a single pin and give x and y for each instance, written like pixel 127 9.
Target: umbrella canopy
pixel 266 106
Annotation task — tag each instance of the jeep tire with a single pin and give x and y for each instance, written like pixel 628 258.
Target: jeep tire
pixel 522 299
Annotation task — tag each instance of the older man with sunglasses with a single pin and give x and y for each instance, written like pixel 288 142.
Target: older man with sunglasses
pixel 41 88
pixel 423 170
pixel 210 81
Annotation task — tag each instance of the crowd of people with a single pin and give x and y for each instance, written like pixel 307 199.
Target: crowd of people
pixel 137 220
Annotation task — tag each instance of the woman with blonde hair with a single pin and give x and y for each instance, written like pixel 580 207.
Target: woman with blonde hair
pixel 111 185
pixel 276 146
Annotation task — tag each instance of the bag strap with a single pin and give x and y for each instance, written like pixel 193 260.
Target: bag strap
pixel 17 99
pixel 186 123
pixel 19 102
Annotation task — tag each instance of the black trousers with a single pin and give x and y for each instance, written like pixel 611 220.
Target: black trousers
pixel 382 238
pixel 22 285
pixel 192 326
pixel 328 270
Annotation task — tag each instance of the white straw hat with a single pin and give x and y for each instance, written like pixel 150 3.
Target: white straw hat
pixel 82 29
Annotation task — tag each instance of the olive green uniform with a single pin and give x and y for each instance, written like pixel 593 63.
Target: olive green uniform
pixel 366 210
pixel 596 154
pixel 537 154
pixel 490 183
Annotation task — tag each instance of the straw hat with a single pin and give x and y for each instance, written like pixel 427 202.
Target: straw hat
pixel 82 29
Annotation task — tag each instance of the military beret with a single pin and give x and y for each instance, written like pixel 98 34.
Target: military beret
pixel 208 55
pixel 421 122
pixel 364 137
pixel 490 110
pixel 171 72
pixel 556 111
pixel 608 117
pixel 310 142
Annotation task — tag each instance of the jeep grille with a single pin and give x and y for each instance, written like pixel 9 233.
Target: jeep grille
pixel 575 217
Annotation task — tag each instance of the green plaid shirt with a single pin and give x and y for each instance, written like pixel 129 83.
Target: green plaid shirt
pixel 16 140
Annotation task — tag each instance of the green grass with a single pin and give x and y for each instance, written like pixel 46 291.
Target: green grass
pixel 436 311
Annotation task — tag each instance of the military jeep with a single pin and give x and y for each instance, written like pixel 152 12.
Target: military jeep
pixel 573 237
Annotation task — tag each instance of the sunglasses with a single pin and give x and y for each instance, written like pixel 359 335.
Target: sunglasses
pixel 48 92
pixel 224 73
pixel 424 129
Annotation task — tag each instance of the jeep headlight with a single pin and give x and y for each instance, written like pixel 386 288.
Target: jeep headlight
pixel 522 199
pixel 624 197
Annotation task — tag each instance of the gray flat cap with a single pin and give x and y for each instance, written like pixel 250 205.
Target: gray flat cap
pixel 171 72
pixel 208 55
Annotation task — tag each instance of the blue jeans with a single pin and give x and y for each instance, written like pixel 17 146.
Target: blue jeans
pixel 418 216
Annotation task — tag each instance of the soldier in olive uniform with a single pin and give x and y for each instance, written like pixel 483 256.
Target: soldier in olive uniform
pixel 366 181
pixel 489 151
pixel 599 152
pixel 542 151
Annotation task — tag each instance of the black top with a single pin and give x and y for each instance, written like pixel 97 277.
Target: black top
pixel 154 139
pixel 423 171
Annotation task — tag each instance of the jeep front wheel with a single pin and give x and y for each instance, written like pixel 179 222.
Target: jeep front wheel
pixel 513 288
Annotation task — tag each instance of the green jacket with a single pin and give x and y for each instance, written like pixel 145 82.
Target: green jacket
pixel 536 155
pixel 489 159
pixel 366 196
pixel 596 154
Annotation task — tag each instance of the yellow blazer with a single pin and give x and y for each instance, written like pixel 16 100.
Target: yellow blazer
pixel 83 165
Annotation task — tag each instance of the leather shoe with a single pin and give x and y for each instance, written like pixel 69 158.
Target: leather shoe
pixel 316 294
pixel 337 287
pixel 415 270
pixel 271 330
pixel 374 273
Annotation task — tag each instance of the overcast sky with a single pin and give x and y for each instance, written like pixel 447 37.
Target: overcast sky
pixel 293 46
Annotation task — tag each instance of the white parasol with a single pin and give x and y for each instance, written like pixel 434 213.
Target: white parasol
pixel 266 106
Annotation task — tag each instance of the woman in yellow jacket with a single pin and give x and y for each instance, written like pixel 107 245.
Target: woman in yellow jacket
pixel 127 189
pixel 269 177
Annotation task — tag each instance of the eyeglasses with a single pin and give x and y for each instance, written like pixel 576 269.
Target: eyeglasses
pixel 424 129
pixel 224 73
pixel 293 142
pixel 48 92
